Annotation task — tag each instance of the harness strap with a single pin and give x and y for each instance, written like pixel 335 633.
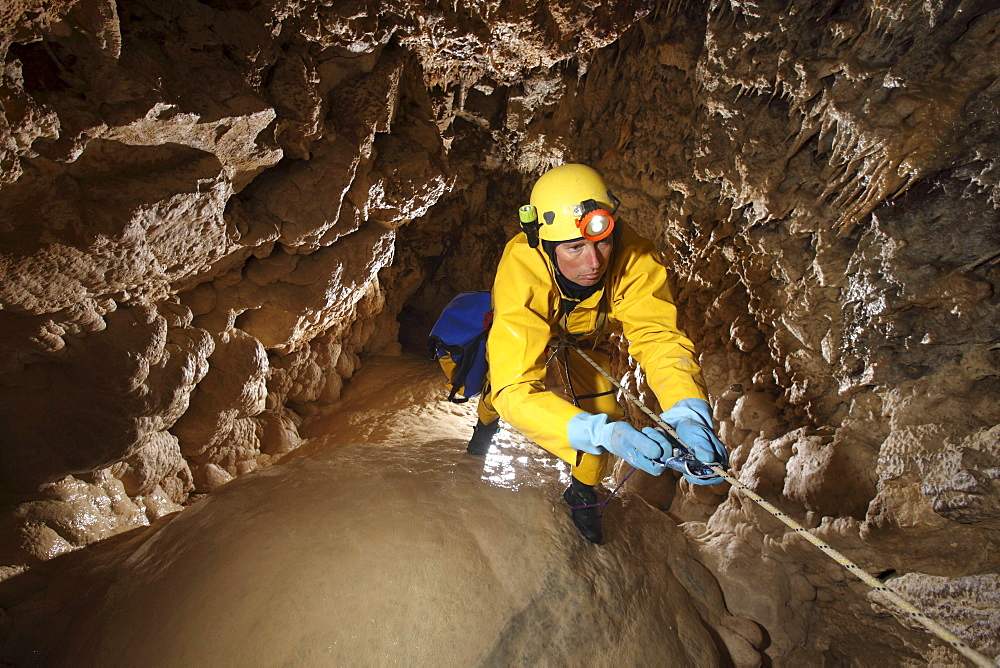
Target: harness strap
pixel 594 396
pixel 468 353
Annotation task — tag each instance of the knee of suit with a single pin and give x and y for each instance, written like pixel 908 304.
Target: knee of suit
pixel 589 468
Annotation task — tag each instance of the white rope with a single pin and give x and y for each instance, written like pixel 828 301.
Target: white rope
pixel 934 627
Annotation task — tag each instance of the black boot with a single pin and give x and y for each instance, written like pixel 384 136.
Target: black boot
pixel 586 520
pixel 482 437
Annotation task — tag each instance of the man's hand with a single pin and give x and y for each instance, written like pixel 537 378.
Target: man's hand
pixel 692 420
pixel 594 434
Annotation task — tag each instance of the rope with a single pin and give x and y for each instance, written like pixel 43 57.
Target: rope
pixel 934 627
pixel 603 504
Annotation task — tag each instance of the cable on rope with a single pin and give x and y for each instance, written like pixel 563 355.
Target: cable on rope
pixel 912 611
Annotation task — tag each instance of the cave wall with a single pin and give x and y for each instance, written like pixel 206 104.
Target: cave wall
pixel 823 179
pixel 200 209
pixel 213 210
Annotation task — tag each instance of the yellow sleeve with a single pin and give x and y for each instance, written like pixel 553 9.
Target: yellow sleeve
pixel 524 315
pixel 643 304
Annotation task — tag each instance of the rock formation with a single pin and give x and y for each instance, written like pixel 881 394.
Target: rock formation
pixel 393 548
pixel 213 212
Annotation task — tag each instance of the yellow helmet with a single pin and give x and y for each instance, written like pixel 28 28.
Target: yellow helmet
pixel 572 201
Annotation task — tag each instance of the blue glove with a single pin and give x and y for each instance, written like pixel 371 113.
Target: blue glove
pixel 594 434
pixel 692 420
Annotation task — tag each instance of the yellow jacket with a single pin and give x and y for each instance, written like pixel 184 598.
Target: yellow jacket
pixel 526 301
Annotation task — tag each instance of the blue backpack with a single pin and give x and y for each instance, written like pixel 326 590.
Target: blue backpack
pixel 458 342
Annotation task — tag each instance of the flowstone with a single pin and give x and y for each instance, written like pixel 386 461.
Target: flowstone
pixel 405 549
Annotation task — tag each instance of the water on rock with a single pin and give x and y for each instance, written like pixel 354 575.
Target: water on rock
pixel 387 544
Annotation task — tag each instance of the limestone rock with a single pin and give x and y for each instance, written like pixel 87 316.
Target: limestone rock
pixel 72 513
pixel 975 615
pixel 217 429
pixel 283 314
pixel 406 511
pixel 106 397
pixel 211 214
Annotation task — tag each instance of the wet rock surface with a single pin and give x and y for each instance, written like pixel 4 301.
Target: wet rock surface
pixel 399 548
pixel 213 213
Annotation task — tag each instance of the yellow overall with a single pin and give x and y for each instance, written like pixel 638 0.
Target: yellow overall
pixel 526 318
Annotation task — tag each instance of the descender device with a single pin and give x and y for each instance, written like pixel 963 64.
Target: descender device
pixel 683 460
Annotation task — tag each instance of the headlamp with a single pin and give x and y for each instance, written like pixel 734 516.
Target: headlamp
pixel 595 223
pixel 528 217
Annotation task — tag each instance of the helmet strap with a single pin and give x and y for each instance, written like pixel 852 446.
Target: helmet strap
pixel 614 201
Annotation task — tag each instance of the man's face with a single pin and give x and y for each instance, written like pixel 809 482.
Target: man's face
pixel 584 262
